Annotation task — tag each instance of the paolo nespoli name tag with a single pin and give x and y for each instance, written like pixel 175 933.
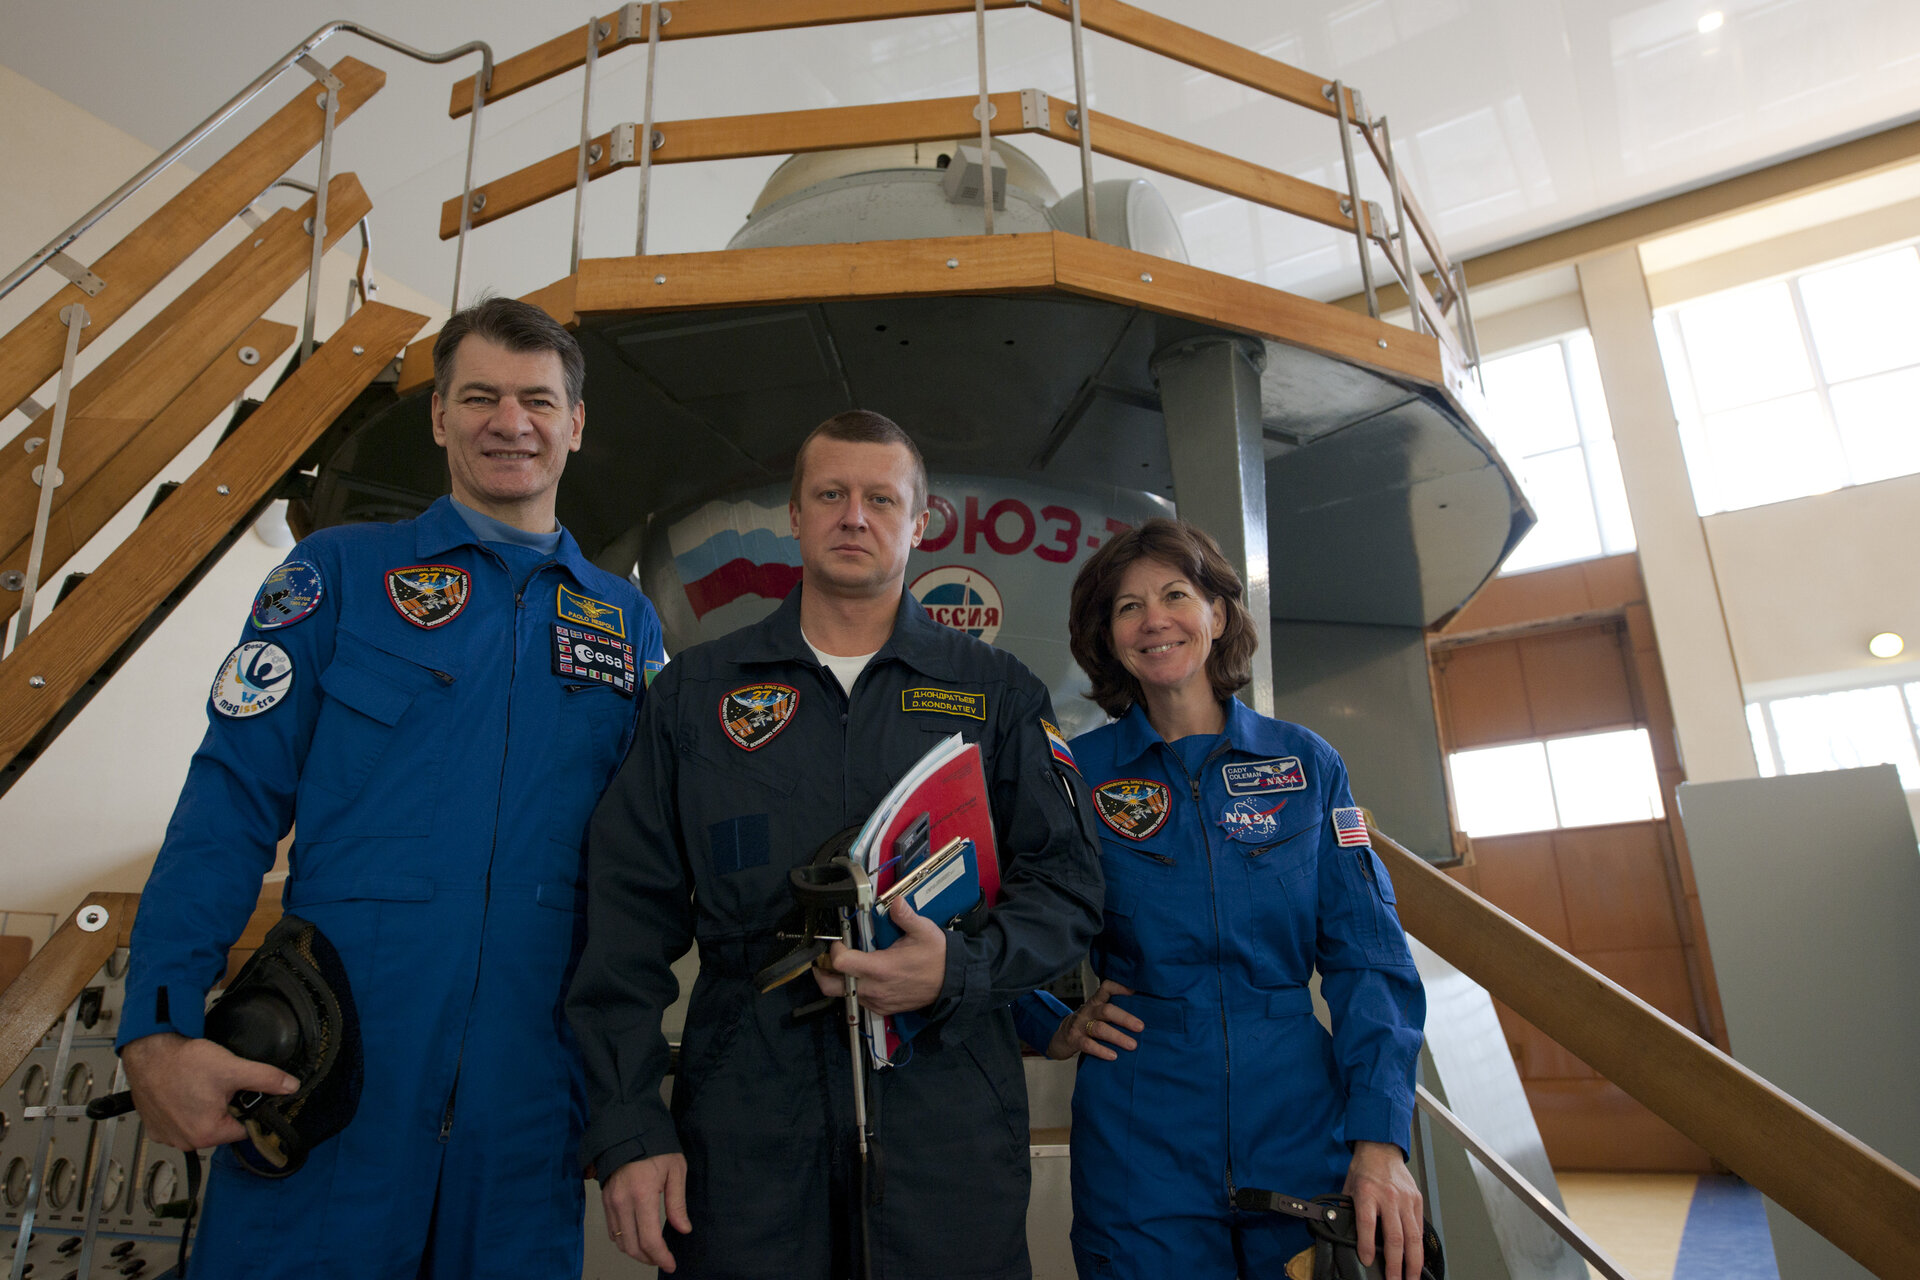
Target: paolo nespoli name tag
pixel 590 655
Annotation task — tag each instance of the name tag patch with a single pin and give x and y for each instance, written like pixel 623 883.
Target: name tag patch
pixel 257 675
pixel 290 593
pixel 952 702
pixel 753 715
pixel 588 655
pixel 1134 807
pixel 429 595
pixel 585 611
pixel 1263 777
pixel 1251 819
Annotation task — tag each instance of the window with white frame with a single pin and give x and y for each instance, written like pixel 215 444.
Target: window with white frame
pixel 1585 780
pixel 1547 416
pixel 1847 729
pixel 1798 386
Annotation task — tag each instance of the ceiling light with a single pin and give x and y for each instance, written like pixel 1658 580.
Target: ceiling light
pixel 1712 20
pixel 1886 645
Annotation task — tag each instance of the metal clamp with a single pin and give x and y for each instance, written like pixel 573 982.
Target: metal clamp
pixel 319 71
pixel 1036 112
pixel 87 282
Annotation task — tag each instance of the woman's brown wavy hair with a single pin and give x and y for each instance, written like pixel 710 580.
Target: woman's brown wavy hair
pixel 1198 558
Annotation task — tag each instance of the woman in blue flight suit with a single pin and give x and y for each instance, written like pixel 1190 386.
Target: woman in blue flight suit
pixel 1236 864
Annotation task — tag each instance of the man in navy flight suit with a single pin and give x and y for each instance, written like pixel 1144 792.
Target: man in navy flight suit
pixel 434 706
pixel 751 752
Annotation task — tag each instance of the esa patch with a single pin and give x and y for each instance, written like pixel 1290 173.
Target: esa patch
pixel 950 702
pixel 1252 819
pixel 290 593
pixel 753 715
pixel 1264 777
pixel 585 611
pixel 429 595
pixel 1057 743
pixel 1350 826
pixel 1134 807
pixel 257 675
pixel 580 654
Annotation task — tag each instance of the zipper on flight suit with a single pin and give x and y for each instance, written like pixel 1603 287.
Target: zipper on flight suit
pixel 1220 982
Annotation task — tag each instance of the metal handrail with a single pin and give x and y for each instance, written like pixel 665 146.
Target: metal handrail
pixel 1515 1181
pixel 482 80
pixel 359 281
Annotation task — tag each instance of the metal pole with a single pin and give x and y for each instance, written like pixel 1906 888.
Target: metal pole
pixel 37 1174
pixel 985 112
pixel 1339 92
pixel 1082 125
pixel 75 317
pixel 330 103
pixel 582 160
pixel 1466 323
pixel 482 80
pixel 1400 228
pixel 106 1132
pixel 1515 1182
pixel 655 16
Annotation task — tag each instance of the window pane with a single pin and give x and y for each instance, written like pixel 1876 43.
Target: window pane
pixel 1744 347
pixel 1529 408
pixel 1863 315
pixel 1757 730
pixel 1605 777
pixel 1879 421
pixel 1556 485
pixel 1501 790
pixel 1846 731
pixel 1773 451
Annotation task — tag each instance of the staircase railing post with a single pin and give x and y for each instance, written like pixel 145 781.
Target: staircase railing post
pixel 47 474
pixel 330 103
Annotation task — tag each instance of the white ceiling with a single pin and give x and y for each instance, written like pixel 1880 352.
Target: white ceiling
pixel 1512 117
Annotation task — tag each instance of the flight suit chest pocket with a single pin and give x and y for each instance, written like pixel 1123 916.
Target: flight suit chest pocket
pixel 1154 899
pixel 1281 872
pixel 377 730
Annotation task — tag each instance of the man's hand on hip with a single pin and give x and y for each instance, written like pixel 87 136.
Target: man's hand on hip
pixel 907 975
pixel 633 1198
pixel 182 1088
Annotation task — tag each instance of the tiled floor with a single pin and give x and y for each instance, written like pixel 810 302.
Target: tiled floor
pixel 1673 1226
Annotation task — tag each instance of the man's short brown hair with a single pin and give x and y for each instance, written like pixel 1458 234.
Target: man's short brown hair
pixel 863 426
pixel 1192 551
pixel 517 326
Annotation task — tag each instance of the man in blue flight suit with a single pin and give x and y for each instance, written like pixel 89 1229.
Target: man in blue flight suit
pixel 434 706
pixel 752 751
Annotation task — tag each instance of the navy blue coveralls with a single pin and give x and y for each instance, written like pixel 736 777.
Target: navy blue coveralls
pixel 440 779
pixel 748 757
pixel 1227 886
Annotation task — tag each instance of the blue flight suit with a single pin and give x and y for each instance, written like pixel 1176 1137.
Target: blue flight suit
pixel 1227 886
pixel 439 779
pixel 749 756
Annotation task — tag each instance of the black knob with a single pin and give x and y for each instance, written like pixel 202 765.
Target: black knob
pixel 122 1249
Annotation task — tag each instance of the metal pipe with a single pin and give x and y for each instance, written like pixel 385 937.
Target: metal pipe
pixel 581 161
pixel 166 158
pixel 90 1233
pixel 1407 278
pixel 37 1174
pixel 985 112
pixel 1353 199
pixel 654 19
pixel 1466 323
pixel 75 317
pixel 481 80
pixel 1529 1195
pixel 330 103
pixel 1083 126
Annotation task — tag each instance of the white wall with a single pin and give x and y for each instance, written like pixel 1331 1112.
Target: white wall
pixel 90 813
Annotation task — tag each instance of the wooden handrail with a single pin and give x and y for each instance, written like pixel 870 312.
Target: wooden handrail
pixel 692 19
pixel 1866 1205
pixel 54 977
pixel 932 120
pixel 60 655
pixel 138 384
pixel 30 353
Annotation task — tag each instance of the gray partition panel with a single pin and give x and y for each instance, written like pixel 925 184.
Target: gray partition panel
pixel 1810 886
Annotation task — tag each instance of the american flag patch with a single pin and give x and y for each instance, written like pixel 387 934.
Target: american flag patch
pixel 1350 826
pixel 1057 743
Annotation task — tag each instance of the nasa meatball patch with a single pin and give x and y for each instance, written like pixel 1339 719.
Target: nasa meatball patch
pixel 587 655
pixel 429 595
pixel 1134 807
pixel 1252 819
pixel 256 676
pixel 290 593
pixel 753 715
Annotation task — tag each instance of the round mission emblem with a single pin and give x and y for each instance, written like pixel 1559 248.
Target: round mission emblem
pixel 962 598
pixel 255 676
